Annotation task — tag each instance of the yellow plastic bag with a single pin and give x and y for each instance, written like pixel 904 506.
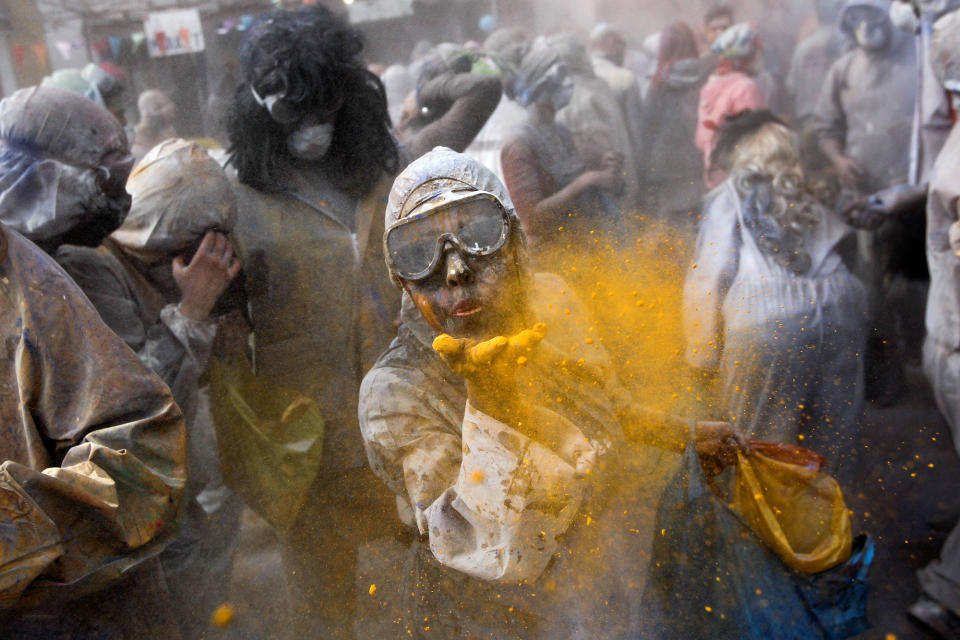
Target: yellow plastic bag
pixel 270 441
pixel 795 508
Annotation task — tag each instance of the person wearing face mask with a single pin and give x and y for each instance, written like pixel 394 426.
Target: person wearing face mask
pixel 314 154
pixel 92 447
pixel 155 282
pixel 58 189
pixel 862 123
pixel 596 119
pixel 526 475
pixel 556 195
pixel 863 114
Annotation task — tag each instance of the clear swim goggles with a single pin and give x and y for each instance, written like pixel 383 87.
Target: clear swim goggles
pixel 473 221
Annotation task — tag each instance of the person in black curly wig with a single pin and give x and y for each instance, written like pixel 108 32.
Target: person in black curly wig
pixel 302 77
pixel 315 159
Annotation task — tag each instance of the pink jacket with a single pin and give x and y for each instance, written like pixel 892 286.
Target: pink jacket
pixel 726 93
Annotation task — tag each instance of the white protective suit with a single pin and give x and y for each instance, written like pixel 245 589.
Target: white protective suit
pixel 521 543
pixel 787 347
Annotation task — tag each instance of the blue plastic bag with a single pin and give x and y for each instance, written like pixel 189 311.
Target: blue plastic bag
pixel 712 577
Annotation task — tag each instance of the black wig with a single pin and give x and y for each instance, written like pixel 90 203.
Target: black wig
pixel 312 58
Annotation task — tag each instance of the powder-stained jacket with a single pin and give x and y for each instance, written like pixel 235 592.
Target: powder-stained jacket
pixel 867 103
pixel 92 447
pixel 551 530
pixel 566 516
pixel 321 302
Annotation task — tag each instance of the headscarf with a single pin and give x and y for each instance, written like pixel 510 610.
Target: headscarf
pixel 63 162
pixel 569 48
pixel 179 192
pixel 945 51
pixel 739 42
pixel 540 70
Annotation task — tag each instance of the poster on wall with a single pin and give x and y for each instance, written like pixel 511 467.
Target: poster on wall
pixel 367 10
pixel 171 33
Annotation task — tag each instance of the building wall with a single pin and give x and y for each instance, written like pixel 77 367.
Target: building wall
pixel 26 34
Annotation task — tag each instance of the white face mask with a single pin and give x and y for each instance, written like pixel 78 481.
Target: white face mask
pixel 310 142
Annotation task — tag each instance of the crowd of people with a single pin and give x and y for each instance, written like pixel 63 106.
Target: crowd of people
pixel 457 326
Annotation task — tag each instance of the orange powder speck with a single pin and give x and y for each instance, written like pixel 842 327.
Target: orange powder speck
pixel 223 615
pixel 476 476
pixel 589 340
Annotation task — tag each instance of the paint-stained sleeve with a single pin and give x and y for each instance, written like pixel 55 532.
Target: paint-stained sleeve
pixel 709 277
pixel 108 494
pixel 491 500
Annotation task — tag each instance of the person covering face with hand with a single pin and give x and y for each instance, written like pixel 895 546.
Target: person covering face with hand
pixel 155 282
pixel 501 427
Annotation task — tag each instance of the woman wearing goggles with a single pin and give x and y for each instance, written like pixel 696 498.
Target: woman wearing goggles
pixel 472 221
pixel 450 252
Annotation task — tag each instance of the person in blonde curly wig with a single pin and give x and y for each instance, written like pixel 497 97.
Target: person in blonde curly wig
pixel 768 303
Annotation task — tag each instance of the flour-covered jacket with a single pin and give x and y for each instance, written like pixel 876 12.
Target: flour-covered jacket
pixel 566 516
